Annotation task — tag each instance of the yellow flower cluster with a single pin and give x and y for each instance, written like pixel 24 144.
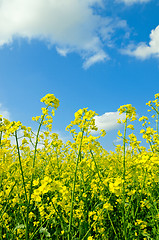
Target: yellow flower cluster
pixel 77 189
pixel 51 100
pixel 129 110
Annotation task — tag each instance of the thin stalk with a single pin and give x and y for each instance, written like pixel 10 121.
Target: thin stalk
pixel 32 177
pixel 91 227
pixel 98 171
pixel 73 191
pixel 38 228
pixel 97 221
pixel 5 207
pixel 157 119
pixel 21 168
pixel 112 224
pixel 58 165
pixel 1 139
pixel 139 197
pixel 1 148
pixel 1 180
pixel 124 173
pixel 22 173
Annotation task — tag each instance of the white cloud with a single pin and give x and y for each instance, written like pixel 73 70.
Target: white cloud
pixel 108 121
pixel 62 51
pixel 99 57
pixel 144 51
pixel 70 25
pixel 4 112
pixel 130 2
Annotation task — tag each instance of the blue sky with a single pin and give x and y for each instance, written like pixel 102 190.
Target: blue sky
pixel 98 54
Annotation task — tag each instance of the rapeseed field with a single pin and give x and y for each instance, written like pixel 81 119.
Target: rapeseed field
pixel 78 190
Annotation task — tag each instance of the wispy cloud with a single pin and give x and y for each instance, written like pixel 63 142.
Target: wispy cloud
pixel 98 57
pixel 130 2
pixel 108 121
pixel 143 50
pixel 70 26
pixel 4 112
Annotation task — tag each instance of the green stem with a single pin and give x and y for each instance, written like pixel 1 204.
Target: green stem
pixel 21 168
pixel 32 177
pixel 58 165
pixel 1 148
pixel 157 122
pixel 98 171
pixel 124 173
pixel 9 195
pixel 140 197
pixel 22 173
pixel 1 139
pixel 151 146
pixel 112 224
pixel 97 221
pixel 73 191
